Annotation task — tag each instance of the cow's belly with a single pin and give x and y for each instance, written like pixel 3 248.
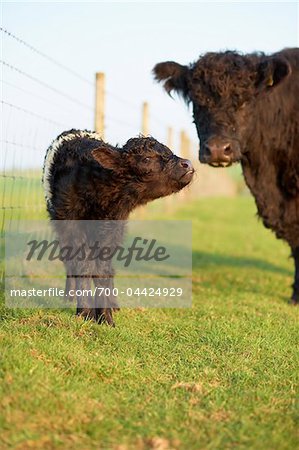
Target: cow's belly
pixel 279 213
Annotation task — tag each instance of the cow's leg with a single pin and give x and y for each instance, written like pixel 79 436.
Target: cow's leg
pixel 85 300
pixel 295 296
pixel 70 286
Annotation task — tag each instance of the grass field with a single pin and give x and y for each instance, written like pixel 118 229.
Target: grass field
pixel 221 375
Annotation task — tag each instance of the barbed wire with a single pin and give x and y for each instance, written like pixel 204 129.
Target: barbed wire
pixel 4 175
pixel 18 144
pixel 26 111
pixel 116 97
pixel 44 55
pixel 112 119
pixel 119 121
pixel 46 85
pixel 39 97
pixel 67 69
pixel 122 100
pixel 32 207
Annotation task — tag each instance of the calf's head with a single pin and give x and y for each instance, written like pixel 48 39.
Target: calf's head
pixel 224 89
pixel 146 166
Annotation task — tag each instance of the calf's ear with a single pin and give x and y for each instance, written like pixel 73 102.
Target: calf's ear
pixel 271 72
pixel 108 157
pixel 174 75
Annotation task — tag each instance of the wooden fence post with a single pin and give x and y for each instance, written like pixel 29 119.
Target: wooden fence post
pixel 170 138
pixel 185 152
pixel 145 119
pixel 187 147
pixel 99 122
pixel 183 144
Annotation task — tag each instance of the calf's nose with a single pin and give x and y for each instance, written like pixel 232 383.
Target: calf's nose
pixel 186 164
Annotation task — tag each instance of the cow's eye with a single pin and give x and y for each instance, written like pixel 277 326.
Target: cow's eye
pixel 146 160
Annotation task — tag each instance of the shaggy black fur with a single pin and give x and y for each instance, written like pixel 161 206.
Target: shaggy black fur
pixel 92 180
pixel 246 108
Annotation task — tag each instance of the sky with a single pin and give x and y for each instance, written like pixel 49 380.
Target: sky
pixel 124 40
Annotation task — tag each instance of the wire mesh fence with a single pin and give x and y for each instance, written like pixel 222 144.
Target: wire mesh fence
pixel 34 111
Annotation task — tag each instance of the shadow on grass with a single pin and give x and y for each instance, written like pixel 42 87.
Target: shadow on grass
pixel 202 260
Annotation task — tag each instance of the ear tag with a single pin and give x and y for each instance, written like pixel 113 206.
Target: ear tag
pixel 270 81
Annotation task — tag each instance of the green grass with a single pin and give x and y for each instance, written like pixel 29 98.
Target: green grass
pixel 221 375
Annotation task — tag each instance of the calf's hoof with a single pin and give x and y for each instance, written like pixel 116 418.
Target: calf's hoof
pixel 87 314
pixel 105 315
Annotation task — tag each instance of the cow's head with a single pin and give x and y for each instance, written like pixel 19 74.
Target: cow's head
pixel 223 89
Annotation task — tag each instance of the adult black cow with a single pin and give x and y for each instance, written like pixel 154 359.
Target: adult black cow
pixel 246 108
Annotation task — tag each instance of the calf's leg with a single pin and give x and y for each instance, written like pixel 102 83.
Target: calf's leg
pixel 85 301
pixel 295 296
pixel 105 301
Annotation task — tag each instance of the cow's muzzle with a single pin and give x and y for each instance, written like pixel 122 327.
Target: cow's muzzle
pixel 219 152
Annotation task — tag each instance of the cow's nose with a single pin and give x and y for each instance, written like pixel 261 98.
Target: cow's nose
pixel 186 164
pixel 216 151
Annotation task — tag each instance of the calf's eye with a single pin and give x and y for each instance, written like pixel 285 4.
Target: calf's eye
pixel 146 160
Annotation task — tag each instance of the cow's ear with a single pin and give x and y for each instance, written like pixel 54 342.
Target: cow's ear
pixel 108 157
pixel 174 75
pixel 271 72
